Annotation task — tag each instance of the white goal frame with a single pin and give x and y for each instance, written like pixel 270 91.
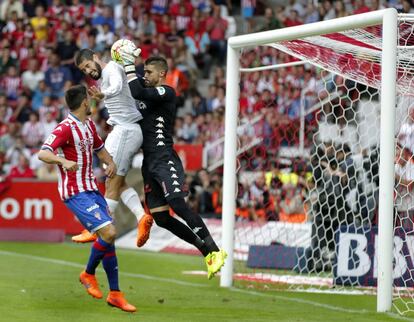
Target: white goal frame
pixel 388 19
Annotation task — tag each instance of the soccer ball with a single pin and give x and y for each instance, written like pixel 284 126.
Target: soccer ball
pixel 127 44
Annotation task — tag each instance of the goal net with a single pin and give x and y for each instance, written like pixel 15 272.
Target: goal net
pixel 308 190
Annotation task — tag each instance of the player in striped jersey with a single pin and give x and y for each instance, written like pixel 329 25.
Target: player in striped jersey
pixel 75 139
pixel 125 139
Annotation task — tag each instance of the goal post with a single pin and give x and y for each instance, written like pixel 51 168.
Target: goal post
pixel 387 18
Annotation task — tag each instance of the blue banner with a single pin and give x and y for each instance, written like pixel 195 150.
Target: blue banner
pixel 356 256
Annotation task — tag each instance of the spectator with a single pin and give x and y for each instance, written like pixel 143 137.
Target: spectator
pixel 199 104
pixel 23 109
pixel 312 13
pixel 14 152
pixel 38 95
pixel 198 43
pixel 33 131
pixel 11 84
pixel 105 37
pixel 220 99
pixel 159 7
pixel 292 20
pixel 32 76
pixel 216 27
pixel 189 130
pixel 146 27
pixel 404 178
pixel 22 169
pixel 57 77
pixel 6 60
pixel 9 6
pixel 177 80
pixel 291 206
pixel 360 7
pixel 329 10
pixel 77 13
pixel 104 17
pixel 40 24
pixel 270 21
pixel 47 172
pixel 48 124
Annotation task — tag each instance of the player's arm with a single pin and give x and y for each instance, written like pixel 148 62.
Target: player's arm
pixel 101 152
pixel 139 92
pixel 48 156
pixel 115 83
pixel 58 138
pixel 106 158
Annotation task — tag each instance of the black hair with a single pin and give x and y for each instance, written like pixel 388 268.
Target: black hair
pixel 159 62
pixel 74 96
pixel 82 55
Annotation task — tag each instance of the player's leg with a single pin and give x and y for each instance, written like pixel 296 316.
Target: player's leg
pixel 215 257
pixel 106 245
pixel 112 188
pixel 122 144
pixel 144 221
pixel 88 212
pixel 172 177
pixel 159 209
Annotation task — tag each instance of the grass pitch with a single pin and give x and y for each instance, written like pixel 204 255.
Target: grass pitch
pixel 39 282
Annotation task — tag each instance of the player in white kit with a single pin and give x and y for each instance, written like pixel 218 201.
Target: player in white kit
pixel 125 139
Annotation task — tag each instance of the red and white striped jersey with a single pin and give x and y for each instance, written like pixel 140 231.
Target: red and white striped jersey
pixel 75 141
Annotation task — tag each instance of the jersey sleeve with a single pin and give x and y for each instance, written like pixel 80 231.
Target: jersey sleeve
pixel 115 82
pixel 98 143
pixel 158 94
pixel 58 138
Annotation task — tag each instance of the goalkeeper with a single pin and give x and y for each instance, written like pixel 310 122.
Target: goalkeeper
pixel 162 169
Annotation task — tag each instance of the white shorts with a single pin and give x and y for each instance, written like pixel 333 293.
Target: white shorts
pixel 123 143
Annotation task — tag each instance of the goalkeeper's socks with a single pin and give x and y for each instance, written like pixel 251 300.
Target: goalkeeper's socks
pixel 98 250
pixel 164 220
pixel 110 265
pixel 210 244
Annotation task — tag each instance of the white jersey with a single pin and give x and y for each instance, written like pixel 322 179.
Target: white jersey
pixel 122 108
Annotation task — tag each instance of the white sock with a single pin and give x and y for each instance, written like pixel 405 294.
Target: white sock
pixel 130 199
pixel 112 204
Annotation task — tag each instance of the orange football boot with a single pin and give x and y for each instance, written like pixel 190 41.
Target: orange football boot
pixel 144 229
pixel 117 299
pixel 84 237
pixel 91 284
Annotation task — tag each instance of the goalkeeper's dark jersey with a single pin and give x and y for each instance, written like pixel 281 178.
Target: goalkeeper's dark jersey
pixel 157 106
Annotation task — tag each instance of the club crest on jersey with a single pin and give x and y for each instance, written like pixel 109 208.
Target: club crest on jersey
pixel 98 216
pixel 142 106
pixel 84 144
pixel 160 90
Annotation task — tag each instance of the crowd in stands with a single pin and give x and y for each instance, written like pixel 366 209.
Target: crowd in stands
pixel 39 40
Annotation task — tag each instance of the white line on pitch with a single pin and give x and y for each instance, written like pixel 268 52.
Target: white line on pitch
pixel 168 280
pixel 322 305
pixel 71 264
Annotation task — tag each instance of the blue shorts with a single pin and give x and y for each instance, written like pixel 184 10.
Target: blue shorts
pixel 91 210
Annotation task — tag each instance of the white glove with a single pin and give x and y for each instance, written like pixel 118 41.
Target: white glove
pixel 129 54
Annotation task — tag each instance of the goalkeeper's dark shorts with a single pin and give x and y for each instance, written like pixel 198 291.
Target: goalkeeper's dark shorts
pixel 164 179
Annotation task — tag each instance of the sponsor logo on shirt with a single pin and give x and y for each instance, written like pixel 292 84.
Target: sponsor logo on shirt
pixel 160 90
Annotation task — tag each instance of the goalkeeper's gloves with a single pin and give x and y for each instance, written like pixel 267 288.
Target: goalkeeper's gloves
pixel 128 56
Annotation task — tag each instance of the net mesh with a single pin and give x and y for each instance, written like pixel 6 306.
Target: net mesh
pixel 308 165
